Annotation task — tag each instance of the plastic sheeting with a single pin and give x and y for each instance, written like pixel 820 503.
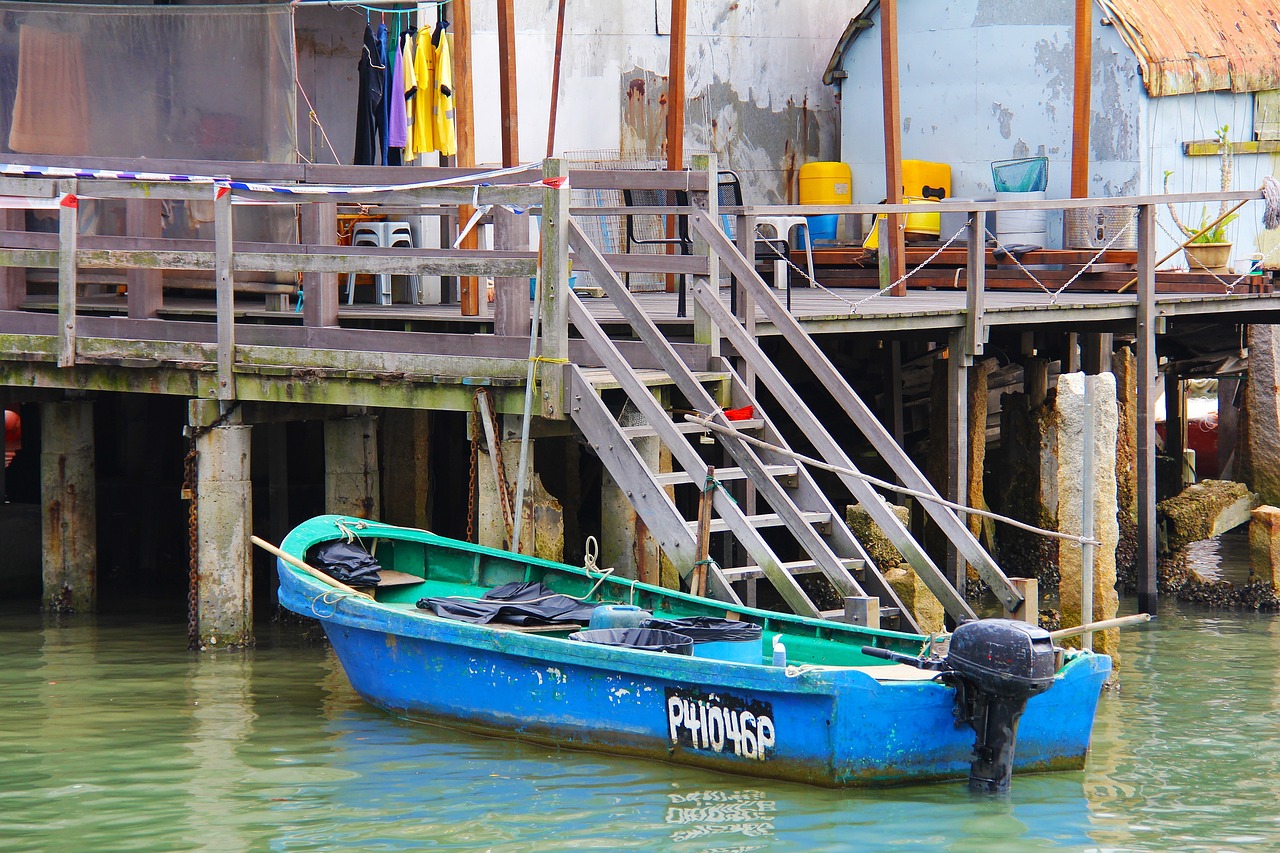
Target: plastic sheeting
pixel 179 82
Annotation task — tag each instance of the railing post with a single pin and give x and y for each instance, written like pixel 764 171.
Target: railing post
pixel 555 289
pixel 975 288
pixel 704 331
pixel 68 229
pixel 225 288
pixel 862 610
pixel 318 226
pixel 1029 610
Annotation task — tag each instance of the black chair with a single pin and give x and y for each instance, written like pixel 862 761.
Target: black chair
pixel 650 229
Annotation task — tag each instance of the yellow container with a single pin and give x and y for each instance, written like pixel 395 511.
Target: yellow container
pixel 918 225
pixel 825 183
pixel 925 180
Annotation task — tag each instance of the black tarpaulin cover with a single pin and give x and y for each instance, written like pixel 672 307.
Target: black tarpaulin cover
pixel 347 562
pixel 515 603
pixel 708 629
pixel 646 639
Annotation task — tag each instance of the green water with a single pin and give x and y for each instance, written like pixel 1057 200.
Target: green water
pixel 114 737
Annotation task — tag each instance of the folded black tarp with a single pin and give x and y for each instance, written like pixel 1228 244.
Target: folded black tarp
pixel 513 603
pixel 708 629
pixel 347 562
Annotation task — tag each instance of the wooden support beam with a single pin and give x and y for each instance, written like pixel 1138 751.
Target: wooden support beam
pixel 507 83
pixel 1147 368
pixel 555 81
pixel 144 287
pixel 975 286
pixel 1082 98
pixel 895 245
pixel 675 85
pixel 319 227
pixel 1095 352
pixel 465 122
pixel 1175 424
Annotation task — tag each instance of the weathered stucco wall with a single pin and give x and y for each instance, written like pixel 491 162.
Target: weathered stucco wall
pixel 754 79
pixel 986 80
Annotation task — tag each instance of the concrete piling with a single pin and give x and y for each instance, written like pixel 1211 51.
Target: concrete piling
pixel 224 513
pixel 351 477
pixel 68 488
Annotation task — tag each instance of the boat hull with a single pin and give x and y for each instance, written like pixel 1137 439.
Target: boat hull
pixel 835 726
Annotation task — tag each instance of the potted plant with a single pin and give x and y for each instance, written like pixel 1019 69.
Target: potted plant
pixel 1207 246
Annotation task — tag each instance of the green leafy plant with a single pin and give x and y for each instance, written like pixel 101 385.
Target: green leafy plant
pixel 1217 233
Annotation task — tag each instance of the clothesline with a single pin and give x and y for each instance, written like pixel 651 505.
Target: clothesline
pixel 373 5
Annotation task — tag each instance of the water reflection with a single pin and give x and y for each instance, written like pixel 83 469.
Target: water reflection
pixel 117 738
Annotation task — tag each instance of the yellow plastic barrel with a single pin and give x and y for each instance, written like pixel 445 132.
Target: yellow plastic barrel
pixel 824 182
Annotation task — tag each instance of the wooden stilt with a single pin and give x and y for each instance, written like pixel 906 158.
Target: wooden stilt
pixel 895 245
pixel 1147 367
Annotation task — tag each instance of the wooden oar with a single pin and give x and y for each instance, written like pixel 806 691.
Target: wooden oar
pixel 1205 230
pixel 298 564
pixel 1119 622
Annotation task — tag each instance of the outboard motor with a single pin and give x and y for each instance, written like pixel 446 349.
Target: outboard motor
pixel 996 665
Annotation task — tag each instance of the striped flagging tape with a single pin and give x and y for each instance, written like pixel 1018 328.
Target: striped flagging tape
pixel 25 171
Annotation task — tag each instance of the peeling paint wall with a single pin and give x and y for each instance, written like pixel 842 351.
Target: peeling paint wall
pixel 986 80
pixel 754 80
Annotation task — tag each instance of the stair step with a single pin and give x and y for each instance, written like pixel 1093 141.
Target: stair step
pixel 602 379
pixel 687 428
pixel 680 478
pixel 798 567
pixel 770 519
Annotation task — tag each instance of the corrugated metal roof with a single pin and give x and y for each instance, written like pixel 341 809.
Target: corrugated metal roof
pixel 1183 46
pixel 1201 45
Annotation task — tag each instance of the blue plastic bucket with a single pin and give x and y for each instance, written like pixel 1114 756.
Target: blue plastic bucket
pixel 823 227
pixel 645 639
pixel 618 616
pixel 736 651
pixel 533 284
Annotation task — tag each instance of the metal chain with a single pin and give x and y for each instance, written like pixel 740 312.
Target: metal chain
pixel 191 493
pixel 475 454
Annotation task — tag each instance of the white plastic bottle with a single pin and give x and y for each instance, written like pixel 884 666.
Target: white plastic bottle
pixel 779 651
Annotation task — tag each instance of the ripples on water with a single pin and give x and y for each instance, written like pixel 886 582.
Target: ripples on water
pixel 115 738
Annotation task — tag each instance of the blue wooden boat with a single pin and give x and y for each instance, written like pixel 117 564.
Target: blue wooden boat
pixel 837 714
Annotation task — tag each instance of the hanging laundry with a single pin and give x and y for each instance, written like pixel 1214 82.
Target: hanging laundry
pixel 396 136
pixel 51 107
pixel 410 93
pixel 442 94
pixel 424 132
pixel 382 104
pixel 372 75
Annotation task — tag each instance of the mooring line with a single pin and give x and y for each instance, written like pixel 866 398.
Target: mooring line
pixel 893 487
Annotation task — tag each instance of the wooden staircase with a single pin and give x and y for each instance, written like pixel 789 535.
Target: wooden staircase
pixel 799 535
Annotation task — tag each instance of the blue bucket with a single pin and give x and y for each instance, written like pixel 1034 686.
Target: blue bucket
pixel 823 227
pixel 718 639
pixel 735 651
pixel 533 284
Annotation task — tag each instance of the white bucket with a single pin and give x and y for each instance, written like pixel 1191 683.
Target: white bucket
pixel 1022 226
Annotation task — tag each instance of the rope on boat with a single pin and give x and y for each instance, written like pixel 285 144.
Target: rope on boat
pixel 893 487
pixel 1271 195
